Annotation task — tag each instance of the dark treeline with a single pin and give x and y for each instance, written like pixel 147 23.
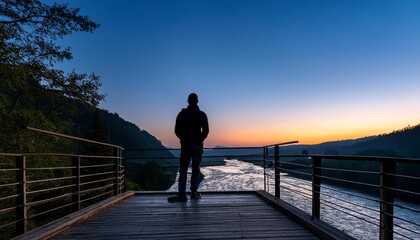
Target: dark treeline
pixel 402 143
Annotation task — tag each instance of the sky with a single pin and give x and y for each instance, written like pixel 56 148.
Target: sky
pixel 265 71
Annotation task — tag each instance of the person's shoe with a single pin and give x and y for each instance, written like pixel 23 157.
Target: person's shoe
pixel 178 198
pixel 195 195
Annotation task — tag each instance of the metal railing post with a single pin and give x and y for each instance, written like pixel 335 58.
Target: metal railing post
pixel 120 179
pixel 276 171
pixel 265 167
pixel 125 176
pixel 76 182
pixel 116 168
pixel 316 186
pixel 22 208
pixel 387 181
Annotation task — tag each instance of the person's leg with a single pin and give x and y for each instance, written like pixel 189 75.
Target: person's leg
pixel 184 162
pixel 196 155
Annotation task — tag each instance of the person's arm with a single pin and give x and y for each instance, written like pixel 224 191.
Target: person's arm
pixel 204 127
pixel 178 126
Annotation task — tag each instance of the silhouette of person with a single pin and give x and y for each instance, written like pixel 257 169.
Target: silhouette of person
pixel 191 128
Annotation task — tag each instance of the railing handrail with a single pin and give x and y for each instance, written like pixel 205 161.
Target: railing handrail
pixel 384 173
pixel 71 137
pixel 178 149
pixel 280 144
pixel 77 180
pixel 59 155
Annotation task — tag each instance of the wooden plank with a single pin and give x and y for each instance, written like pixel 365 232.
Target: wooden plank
pixel 215 216
pixel 51 229
pixel 315 225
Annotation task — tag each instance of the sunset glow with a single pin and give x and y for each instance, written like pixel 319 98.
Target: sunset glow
pixel 264 71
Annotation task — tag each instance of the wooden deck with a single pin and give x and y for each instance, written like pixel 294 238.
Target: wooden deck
pixel 215 216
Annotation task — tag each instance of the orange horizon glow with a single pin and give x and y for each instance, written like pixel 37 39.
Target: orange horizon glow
pixel 262 138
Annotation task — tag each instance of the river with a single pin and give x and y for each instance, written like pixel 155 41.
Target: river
pixel 336 202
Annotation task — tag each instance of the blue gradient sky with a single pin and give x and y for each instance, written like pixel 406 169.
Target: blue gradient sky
pixel 265 71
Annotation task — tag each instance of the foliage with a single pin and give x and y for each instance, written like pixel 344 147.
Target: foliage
pixel 32 91
pixel 151 176
pixel 98 131
pixel 131 138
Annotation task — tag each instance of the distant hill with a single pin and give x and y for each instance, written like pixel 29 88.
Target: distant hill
pixel 401 143
pixel 144 168
pixel 333 147
pixel 121 132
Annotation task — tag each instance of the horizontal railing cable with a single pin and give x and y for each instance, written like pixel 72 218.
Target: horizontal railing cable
pixel 296 172
pixel 50 179
pixel 348 193
pixel 9 184
pixel 402 176
pixel 348 181
pixel 297 192
pixel 96 174
pixel 96 196
pixel 347 170
pixel 404 236
pixel 348 212
pixel 50 189
pixel 296 164
pixel 406 229
pixel 402 191
pixel 9 197
pixel 97 166
pixel 352 210
pixel 351 203
pixel 10 223
pixel 8 210
pixel 407 208
pixel 407 221
pixel 50 210
pixel 41 202
pixel 9 169
pixel 96 189
pixel 97 181
pixel 49 168
pixel 284 181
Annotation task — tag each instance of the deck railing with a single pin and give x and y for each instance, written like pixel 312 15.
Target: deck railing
pixel 382 179
pixel 367 190
pixel 37 188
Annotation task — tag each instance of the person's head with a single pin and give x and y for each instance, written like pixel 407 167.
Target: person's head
pixel 192 99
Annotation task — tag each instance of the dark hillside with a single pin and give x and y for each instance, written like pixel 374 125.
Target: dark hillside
pixel 333 147
pixel 404 142
pixel 148 174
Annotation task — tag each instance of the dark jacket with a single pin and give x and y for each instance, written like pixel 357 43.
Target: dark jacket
pixel 191 126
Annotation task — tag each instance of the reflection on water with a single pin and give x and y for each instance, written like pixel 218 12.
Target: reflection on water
pixel 234 176
pixel 336 203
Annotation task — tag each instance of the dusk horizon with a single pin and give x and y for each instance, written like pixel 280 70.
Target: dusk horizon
pixel 264 71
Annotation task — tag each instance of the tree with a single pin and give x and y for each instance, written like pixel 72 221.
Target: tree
pixel 32 90
pixel 98 131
